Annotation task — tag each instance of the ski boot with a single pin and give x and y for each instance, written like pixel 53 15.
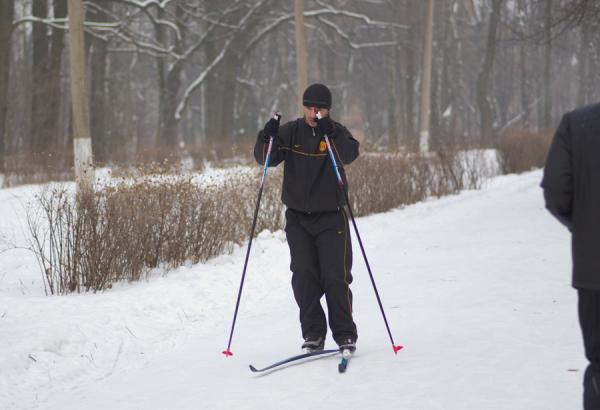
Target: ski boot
pixel 313 344
pixel 347 347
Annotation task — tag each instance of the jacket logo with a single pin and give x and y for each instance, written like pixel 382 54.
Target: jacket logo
pixel 322 146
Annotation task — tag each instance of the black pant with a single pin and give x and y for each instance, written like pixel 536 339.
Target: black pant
pixel 589 318
pixel 321 254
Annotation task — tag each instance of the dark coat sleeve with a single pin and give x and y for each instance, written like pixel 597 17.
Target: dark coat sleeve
pixel 558 175
pixel 344 144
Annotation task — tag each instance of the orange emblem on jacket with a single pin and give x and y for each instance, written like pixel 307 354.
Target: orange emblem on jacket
pixel 322 146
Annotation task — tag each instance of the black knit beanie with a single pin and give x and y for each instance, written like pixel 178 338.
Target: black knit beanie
pixel 317 95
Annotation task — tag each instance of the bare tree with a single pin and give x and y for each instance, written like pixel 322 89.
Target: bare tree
pixel 6 18
pixel 301 73
pixel 178 73
pixel 426 81
pixel 40 139
pixel 546 117
pixel 169 78
pixel 98 58
pixel 54 131
pixel 81 124
pixel 484 99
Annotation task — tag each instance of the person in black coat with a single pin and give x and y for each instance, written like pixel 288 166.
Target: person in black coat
pixel 571 185
pixel 317 227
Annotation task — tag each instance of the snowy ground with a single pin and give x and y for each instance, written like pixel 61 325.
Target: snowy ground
pixel 476 287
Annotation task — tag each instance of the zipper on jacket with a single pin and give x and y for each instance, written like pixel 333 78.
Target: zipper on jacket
pixel 308 210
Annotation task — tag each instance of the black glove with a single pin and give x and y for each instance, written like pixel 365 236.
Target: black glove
pixel 272 127
pixel 325 126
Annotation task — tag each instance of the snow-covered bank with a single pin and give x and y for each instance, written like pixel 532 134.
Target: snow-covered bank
pixel 476 286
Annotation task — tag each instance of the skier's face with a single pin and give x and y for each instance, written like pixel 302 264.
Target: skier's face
pixel 310 115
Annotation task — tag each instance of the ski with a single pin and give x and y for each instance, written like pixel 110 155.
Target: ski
pixel 346 355
pixel 295 358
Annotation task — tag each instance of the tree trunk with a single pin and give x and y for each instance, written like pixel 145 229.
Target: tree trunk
pixel 101 145
pixel 213 86
pixel 6 19
pixel 170 83
pixel 424 128
pixel 583 61
pixel 54 130
pixel 40 115
pixel 392 102
pixel 523 77
pixel 301 72
pixel 484 99
pixel 411 76
pixel 546 116
pixel 229 70
pixel 441 89
pixel 82 144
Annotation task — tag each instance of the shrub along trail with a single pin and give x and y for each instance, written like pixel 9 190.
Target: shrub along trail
pixel 475 286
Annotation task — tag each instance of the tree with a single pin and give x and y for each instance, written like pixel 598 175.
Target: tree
pixel 98 57
pixel 6 19
pixel 169 79
pixel 40 115
pixel 546 117
pixel 82 143
pixel 55 70
pixel 484 99
pixel 426 81
pixel 301 74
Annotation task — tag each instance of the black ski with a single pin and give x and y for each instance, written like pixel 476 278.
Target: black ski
pixel 293 359
pixel 344 362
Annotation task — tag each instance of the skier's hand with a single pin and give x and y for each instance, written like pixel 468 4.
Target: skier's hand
pixel 272 127
pixel 325 126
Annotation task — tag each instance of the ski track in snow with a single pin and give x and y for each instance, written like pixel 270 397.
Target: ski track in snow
pixel 476 287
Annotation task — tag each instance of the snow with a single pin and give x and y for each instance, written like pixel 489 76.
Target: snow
pixel 476 287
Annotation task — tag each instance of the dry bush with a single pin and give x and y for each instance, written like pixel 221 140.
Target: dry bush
pixel 171 160
pixel 222 152
pixel 34 168
pixel 380 182
pixel 88 241
pixel 522 150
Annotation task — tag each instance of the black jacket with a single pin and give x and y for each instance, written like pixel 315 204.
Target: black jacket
pixel 309 180
pixel 571 186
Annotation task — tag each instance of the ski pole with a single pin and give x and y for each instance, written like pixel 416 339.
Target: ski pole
pixel 227 352
pixel 341 183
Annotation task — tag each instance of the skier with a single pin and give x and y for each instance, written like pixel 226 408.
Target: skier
pixel 571 186
pixel 317 227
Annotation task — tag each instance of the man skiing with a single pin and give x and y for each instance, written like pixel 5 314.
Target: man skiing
pixel 571 186
pixel 317 227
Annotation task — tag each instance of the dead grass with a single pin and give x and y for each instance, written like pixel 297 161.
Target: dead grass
pixel 31 168
pixel 380 182
pixel 522 150
pixel 88 241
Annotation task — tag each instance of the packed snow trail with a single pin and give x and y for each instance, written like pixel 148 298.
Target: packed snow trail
pixel 475 286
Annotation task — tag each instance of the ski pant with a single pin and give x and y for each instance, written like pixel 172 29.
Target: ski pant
pixel 321 260
pixel 589 319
